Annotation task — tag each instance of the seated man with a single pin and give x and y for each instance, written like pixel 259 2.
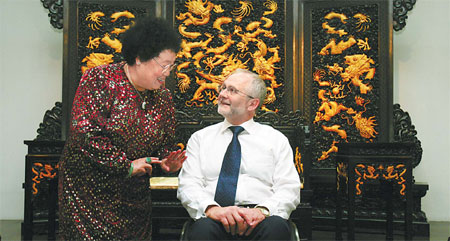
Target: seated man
pixel 239 181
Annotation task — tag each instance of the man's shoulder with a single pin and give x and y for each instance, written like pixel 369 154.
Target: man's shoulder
pixel 267 128
pixel 269 131
pixel 209 129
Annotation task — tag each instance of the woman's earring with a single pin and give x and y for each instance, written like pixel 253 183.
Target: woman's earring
pixel 138 62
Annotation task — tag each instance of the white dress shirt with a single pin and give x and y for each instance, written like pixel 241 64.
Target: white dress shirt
pixel 267 175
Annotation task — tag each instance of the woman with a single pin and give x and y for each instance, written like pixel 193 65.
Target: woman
pixel 122 123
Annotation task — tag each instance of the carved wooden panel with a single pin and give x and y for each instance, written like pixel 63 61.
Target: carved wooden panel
pixel 347 73
pixel 220 36
pixel 330 60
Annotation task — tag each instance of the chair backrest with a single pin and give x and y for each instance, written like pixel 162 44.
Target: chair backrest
pixel 292 125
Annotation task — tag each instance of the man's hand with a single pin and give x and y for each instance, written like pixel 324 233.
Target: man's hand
pixel 252 217
pixel 230 218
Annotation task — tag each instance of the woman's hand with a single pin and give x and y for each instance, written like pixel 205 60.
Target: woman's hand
pixel 142 166
pixel 173 161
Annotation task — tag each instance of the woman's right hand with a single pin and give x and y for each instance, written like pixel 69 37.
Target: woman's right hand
pixel 141 167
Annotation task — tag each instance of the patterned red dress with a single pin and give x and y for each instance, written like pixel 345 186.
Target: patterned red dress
pixel 109 129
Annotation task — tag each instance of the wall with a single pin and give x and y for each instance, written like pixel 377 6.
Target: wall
pixel 421 77
pixel 30 83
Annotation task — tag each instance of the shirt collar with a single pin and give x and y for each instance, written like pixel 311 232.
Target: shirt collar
pixel 249 126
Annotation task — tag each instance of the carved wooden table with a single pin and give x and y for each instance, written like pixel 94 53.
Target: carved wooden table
pixel 389 164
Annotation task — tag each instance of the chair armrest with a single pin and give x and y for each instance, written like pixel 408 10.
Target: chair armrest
pixel 164 183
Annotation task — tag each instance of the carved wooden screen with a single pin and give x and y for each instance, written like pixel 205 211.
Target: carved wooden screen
pixel 218 37
pixel 330 60
pixel 347 73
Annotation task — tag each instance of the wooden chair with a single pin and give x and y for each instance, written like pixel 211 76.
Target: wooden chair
pixel 185 231
pixel 167 208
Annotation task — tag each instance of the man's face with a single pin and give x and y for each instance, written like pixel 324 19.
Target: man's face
pixel 232 105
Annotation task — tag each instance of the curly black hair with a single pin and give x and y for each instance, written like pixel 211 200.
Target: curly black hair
pixel 147 38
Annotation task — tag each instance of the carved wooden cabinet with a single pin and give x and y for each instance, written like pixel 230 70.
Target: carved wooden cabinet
pixel 387 164
pixel 41 193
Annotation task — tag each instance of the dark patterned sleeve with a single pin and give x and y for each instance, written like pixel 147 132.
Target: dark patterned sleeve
pixel 90 110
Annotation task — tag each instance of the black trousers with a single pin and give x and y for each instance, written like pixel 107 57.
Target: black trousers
pixel 271 228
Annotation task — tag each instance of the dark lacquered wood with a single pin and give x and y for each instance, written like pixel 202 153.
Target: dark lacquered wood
pixel 352 154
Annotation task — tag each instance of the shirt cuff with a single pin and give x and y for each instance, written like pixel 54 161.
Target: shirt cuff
pixel 203 205
pixel 270 205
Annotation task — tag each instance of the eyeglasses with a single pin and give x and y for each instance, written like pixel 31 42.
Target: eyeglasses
pixel 165 67
pixel 232 91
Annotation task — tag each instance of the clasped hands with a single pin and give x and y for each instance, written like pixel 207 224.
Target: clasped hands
pixel 236 220
pixel 171 163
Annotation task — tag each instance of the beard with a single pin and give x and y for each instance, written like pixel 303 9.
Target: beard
pixel 222 110
pixel 228 111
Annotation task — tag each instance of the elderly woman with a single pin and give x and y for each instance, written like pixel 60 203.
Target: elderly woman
pixel 122 123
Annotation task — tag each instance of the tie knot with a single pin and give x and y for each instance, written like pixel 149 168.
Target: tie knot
pixel 236 129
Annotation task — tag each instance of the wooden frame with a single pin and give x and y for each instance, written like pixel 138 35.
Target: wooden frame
pixel 337 38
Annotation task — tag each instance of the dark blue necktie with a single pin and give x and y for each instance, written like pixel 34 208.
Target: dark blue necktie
pixel 229 173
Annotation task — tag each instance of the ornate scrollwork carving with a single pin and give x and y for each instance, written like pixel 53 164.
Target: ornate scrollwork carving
pixel 50 128
pixel 401 8
pixel 366 173
pixel 299 164
pixel 293 118
pixel 55 8
pixel 196 115
pixel 42 171
pixel 341 171
pixel 404 131
pixel 367 206
pixel 363 149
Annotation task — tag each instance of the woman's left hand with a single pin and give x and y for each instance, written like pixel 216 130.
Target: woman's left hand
pixel 173 161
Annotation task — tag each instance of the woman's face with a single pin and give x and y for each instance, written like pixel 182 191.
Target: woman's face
pixel 152 73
